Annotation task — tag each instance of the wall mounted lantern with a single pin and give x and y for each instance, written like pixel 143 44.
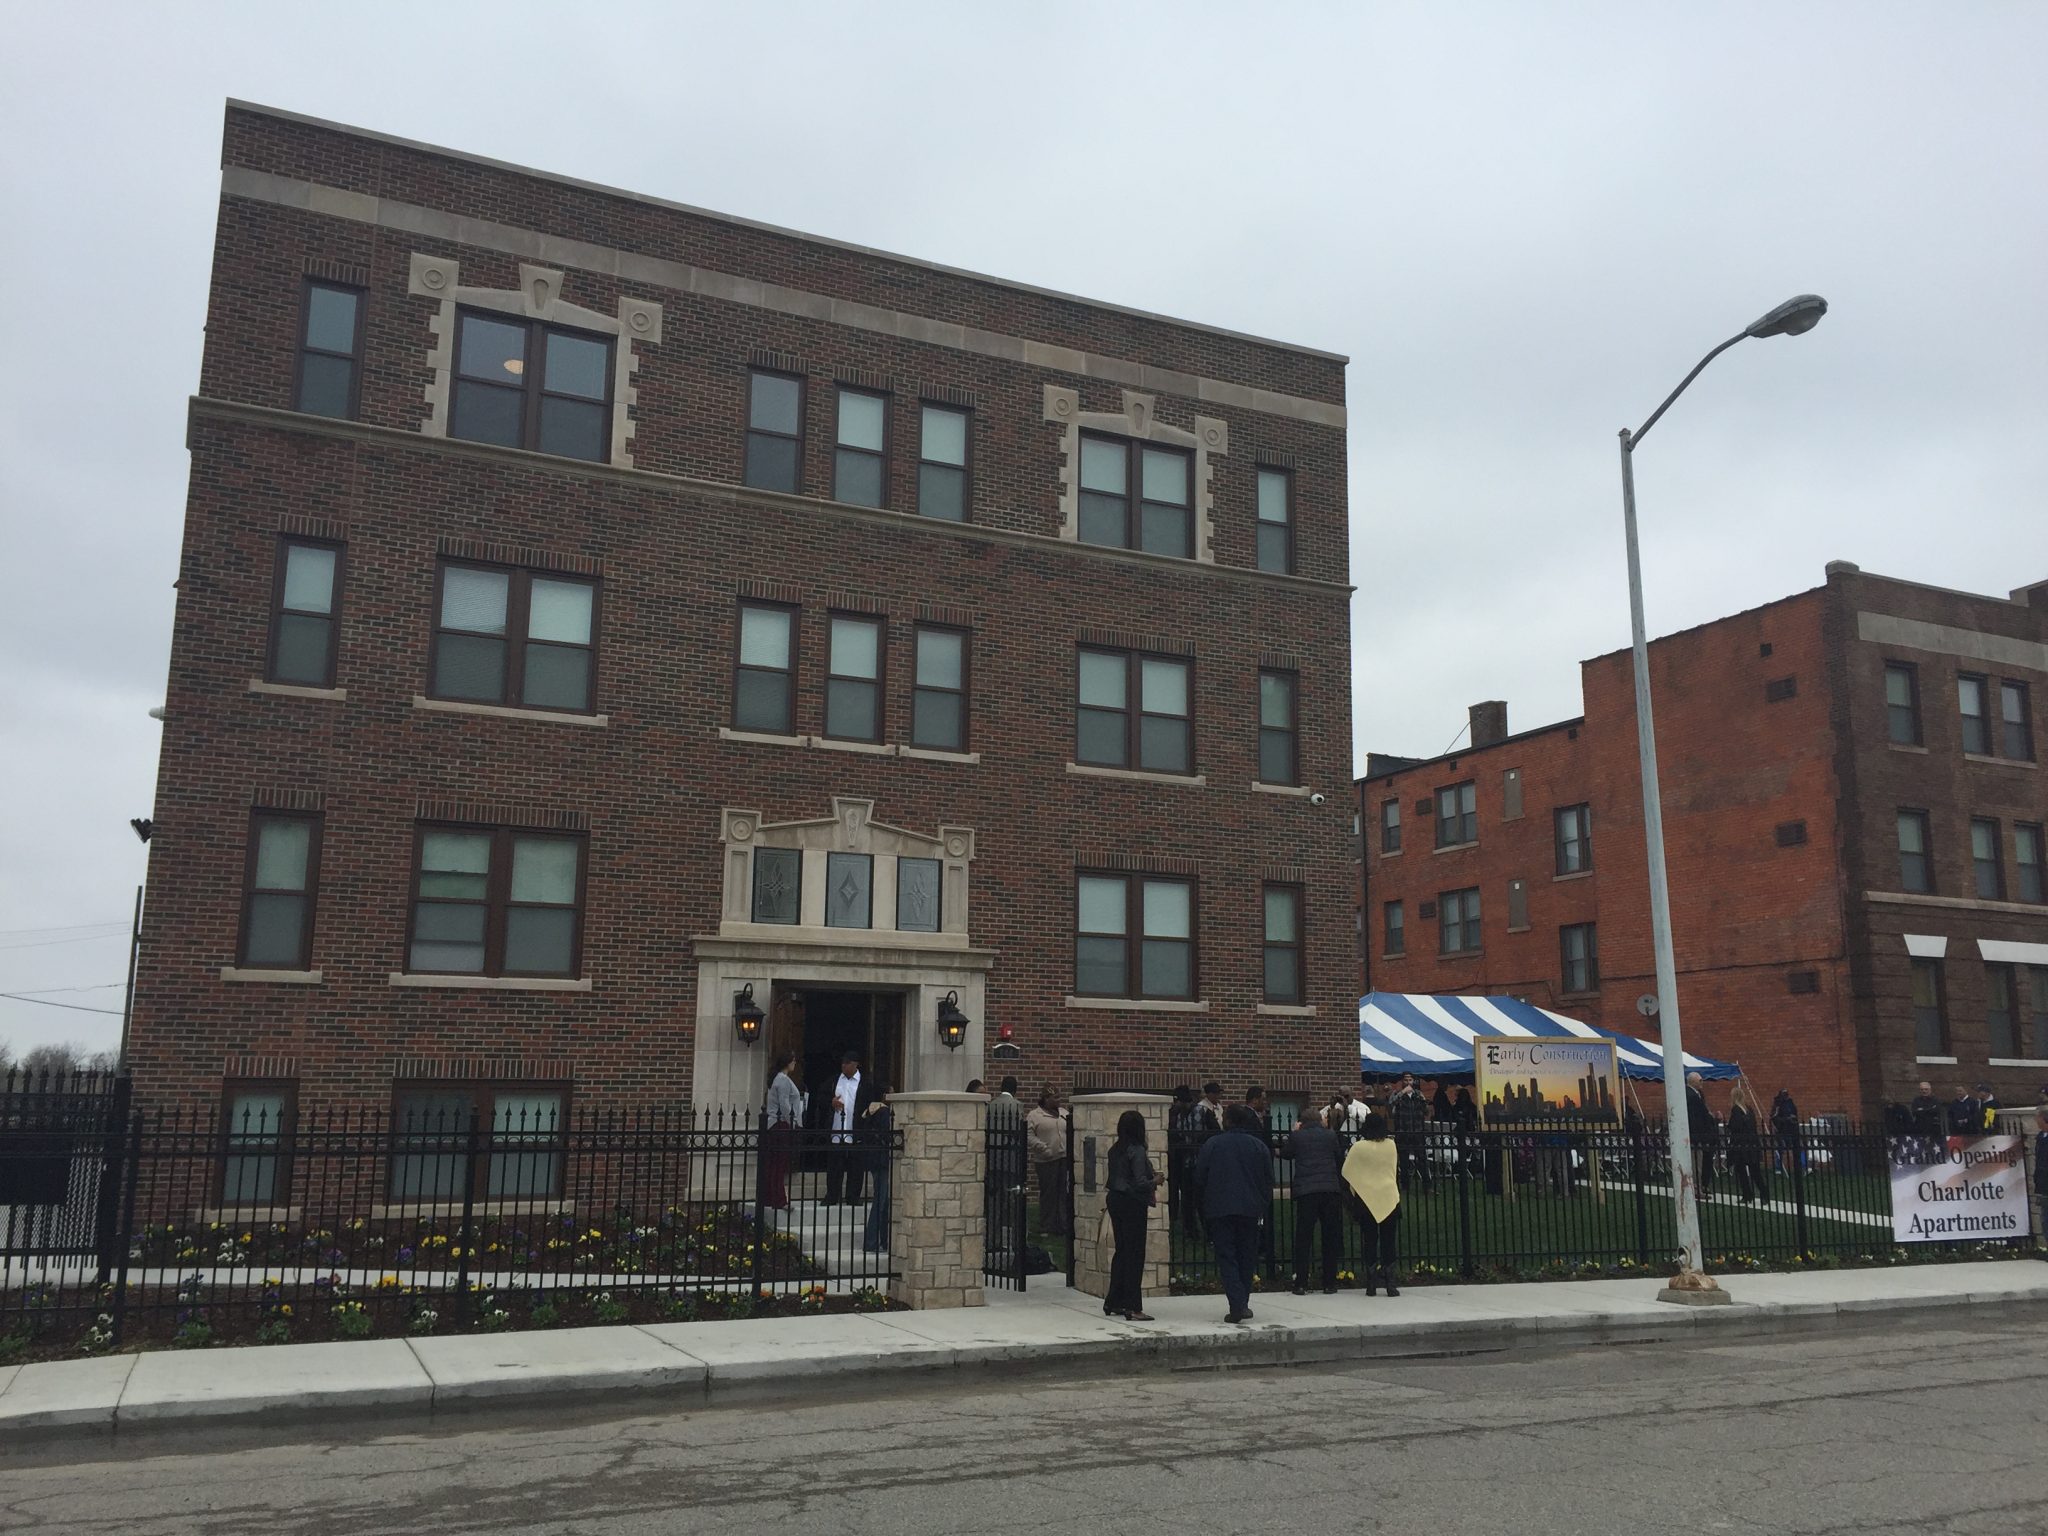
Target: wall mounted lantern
pixel 952 1022
pixel 747 1014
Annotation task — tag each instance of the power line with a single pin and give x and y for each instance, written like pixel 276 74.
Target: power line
pixel 15 933
pixel 20 997
pixel 47 991
pixel 83 938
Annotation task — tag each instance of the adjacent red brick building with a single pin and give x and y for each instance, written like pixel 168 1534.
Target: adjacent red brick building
pixel 1854 810
pixel 591 608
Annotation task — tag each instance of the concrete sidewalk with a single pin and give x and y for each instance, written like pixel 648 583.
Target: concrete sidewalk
pixel 671 1366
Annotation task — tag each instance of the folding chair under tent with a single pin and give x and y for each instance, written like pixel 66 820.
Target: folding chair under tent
pixel 1431 1034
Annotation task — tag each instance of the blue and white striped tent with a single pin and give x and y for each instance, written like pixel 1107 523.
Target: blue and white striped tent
pixel 1431 1035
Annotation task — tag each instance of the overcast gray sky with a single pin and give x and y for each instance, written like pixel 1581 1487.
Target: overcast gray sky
pixel 1523 223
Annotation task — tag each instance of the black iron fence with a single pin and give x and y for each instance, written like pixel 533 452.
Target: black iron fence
pixel 1506 1204
pixel 189 1227
pixel 1005 1200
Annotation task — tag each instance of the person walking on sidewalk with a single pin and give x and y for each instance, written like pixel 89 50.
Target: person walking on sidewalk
pixel 877 1130
pixel 1046 1129
pixel 1133 1191
pixel 1318 1154
pixel 1372 1175
pixel 785 1112
pixel 1234 1179
pixel 1746 1146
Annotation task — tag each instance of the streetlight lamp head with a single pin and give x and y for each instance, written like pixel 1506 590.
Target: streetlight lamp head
pixel 1794 317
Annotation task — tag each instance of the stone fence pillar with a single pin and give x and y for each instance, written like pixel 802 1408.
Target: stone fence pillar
pixel 1095 1115
pixel 936 1235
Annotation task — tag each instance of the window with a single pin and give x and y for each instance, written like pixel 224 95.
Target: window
pixel 522 384
pixel 938 695
pixel 1157 736
pixel 2037 1009
pixel 1985 862
pixel 942 463
pixel 2001 1018
pixel 849 890
pixel 1930 1011
pixel 764 693
pixel 1276 520
pixel 1109 909
pixel 918 887
pixel 1916 868
pixel 1164 479
pixel 490 901
pixel 282 875
pixel 1581 956
pixel 520 1153
pixel 1279 728
pixel 1396 929
pixel 1574 839
pixel 515 637
pixel 307 588
pixel 778 884
pixel 1902 703
pixel 2028 861
pixel 1390 826
pixel 853 682
pixel 1458 922
pixel 775 413
pixel 255 1169
pixel 1457 818
pixel 857 461
pixel 2016 736
pixel 330 349
pixel 1976 727
pixel 1283 944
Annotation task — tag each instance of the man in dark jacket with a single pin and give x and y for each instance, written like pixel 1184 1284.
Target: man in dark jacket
pixel 1965 1114
pixel 1706 1133
pixel 1926 1112
pixel 1234 1178
pixel 1785 1127
pixel 1409 1111
pixel 1318 1155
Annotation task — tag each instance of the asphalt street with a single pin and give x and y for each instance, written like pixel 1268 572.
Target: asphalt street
pixel 1928 1424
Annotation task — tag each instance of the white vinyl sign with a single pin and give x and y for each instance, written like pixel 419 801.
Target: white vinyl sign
pixel 1950 1189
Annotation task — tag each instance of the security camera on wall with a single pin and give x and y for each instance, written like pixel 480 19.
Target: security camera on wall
pixel 1317 799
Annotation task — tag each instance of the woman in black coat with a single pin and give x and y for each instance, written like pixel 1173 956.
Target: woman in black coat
pixel 1133 1190
pixel 1746 1147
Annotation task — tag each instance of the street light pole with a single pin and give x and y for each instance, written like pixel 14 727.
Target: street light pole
pixel 1692 1284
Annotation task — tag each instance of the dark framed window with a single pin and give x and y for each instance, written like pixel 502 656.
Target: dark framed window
pixel 525 384
pixel 1578 948
pixel 2001 1010
pixel 1163 478
pixel 512 636
pixel 778 884
pixel 1574 838
pixel 2015 727
pixel 1457 917
pixel 305 607
pixel 853 679
pixel 256 1129
pixel 1902 703
pixel 942 439
pixel 849 890
pixel 281 881
pixel 330 350
pixel 938 694
pixel 1157 735
pixel 1284 973
pixel 2037 1012
pixel 1390 826
pixel 918 888
pixel 495 901
pixel 1930 1009
pixel 1394 920
pixel 2029 859
pixel 1279 727
pixel 523 1131
pixel 859 459
pixel 1916 861
pixel 1457 814
pixel 1971 693
pixel 775 429
pixel 1159 912
pixel 1276 520
pixel 1987 865
pixel 764 685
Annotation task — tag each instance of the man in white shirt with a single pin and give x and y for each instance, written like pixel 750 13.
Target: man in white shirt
pixel 1357 1110
pixel 844 1173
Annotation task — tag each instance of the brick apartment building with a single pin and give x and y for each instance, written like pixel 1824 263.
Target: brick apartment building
pixel 591 608
pixel 1853 804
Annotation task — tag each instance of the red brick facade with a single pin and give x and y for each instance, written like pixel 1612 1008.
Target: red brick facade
pixel 675 542
pixel 1781 792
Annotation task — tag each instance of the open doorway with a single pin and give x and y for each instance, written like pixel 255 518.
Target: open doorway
pixel 820 1024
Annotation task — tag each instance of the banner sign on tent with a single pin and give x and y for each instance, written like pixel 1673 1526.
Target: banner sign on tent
pixel 1523 1078
pixel 1948 1189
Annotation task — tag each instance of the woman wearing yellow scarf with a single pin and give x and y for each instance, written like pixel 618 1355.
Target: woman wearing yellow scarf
pixel 1369 1173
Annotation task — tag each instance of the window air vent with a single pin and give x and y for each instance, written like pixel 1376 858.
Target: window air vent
pixel 1791 833
pixel 1426 911
pixel 1779 689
